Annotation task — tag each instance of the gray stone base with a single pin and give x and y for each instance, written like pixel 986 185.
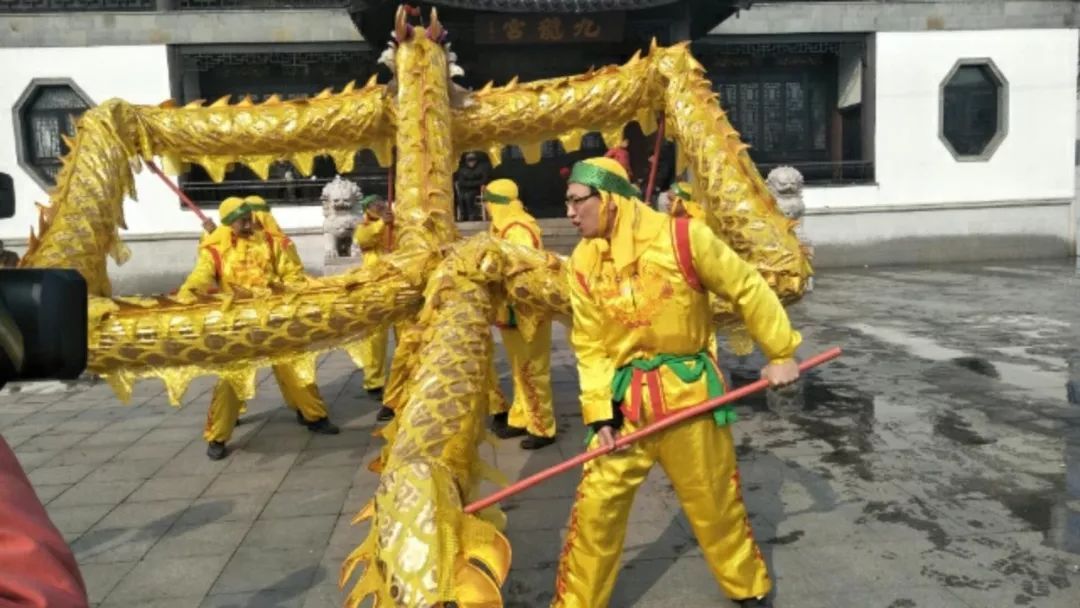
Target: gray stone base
pixel 928 234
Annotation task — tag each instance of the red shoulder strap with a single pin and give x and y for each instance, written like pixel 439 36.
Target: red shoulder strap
pixel 584 284
pixel 217 261
pixel 535 239
pixel 683 255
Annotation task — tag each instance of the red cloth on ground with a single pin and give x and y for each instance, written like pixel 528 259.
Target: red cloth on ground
pixel 37 568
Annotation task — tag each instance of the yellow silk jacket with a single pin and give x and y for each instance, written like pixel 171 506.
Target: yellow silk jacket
pixel 518 227
pixel 648 308
pixel 373 236
pixel 252 263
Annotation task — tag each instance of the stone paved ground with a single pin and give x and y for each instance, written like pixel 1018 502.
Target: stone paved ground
pixel 937 464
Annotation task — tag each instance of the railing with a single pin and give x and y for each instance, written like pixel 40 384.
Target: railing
pixel 83 6
pixel 828 172
pixel 300 191
pixel 201 5
pixel 71 6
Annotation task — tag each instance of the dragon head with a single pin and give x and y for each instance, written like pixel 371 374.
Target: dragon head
pixel 405 33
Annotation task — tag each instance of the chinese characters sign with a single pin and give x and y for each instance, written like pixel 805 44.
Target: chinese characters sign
pixel 549 29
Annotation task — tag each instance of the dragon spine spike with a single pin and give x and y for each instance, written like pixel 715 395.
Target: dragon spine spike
pixel 223 101
pixel 348 87
pixel 246 102
pixel 273 100
pixel 191 105
pixel 167 104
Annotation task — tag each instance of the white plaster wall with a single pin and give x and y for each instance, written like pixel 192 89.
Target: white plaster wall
pixel 138 74
pixel 912 165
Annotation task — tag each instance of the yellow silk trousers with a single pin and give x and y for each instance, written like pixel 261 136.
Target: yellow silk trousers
pixel 530 363
pixel 225 405
pixel 699 459
pixel 497 403
pixel 373 358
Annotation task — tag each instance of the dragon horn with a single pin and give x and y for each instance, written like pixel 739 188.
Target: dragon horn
pixel 435 30
pixel 401 26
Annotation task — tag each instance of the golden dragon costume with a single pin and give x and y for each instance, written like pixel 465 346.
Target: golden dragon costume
pixel 423 550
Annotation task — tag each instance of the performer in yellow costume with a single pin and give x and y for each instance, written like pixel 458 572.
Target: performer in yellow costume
pixel 375 238
pixel 683 203
pixel 285 374
pixel 239 256
pixel 530 361
pixel 639 285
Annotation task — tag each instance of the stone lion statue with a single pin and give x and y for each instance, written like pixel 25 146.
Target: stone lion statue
pixel 786 184
pixel 341 215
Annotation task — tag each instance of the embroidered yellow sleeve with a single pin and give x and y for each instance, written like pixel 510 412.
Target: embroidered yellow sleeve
pixel 724 273
pixel 294 255
pixel 368 233
pixel 519 235
pixel 202 277
pixel 287 263
pixel 595 367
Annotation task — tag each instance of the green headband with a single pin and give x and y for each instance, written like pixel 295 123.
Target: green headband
pixel 683 194
pixel 242 210
pixel 498 199
pixel 602 179
pixel 367 200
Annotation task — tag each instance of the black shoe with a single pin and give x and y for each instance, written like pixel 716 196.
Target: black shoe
pixel 322 426
pixel 509 432
pixel 216 450
pixel 535 442
pixel 500 421
pixel 384 414
pixel 300 418
pixel 755 602
pixel 240 421
pixel 375 393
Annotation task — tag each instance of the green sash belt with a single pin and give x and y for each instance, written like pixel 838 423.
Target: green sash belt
pixel 688 368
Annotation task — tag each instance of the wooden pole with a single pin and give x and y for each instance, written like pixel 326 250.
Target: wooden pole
pixel 183 197
pixel 655 159
pixel 673 419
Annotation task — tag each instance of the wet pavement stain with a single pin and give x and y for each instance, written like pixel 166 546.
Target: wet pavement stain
pixel 978 365
pixel 916 515
pixel 951 425
pixel 786 539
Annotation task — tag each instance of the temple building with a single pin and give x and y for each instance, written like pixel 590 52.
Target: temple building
pixel 925 131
